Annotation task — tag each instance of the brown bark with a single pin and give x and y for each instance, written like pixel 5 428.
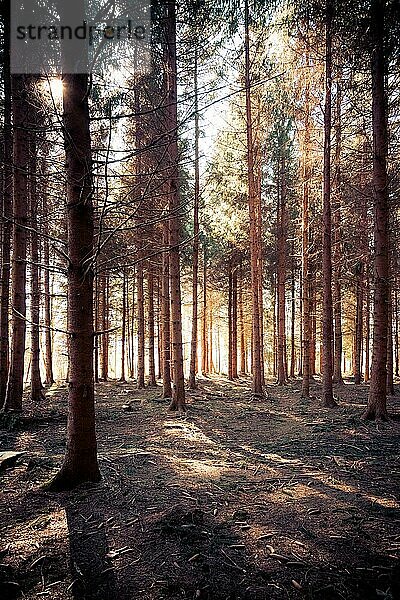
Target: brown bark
pixel 178 391
pixel 230 324
pixel 337 243
pixel 367 329
pixel 195 260
pixel 389 379
pixel 21 113
pixel 165 318
pixel 292 320
pixel 234 323
pixel 396 332
pixel 254 215
pixel 241 327
pixel 6 209
pixel 123 325
pixel 47 297
pixel 140 324
pixel 358 327
pixel 104 314
pixel 36 391
pixel 377 392
pixel 281 274
pixel 151 331
pixel 80 462
pixel 327 386
pixel 305 235
pixel 204 356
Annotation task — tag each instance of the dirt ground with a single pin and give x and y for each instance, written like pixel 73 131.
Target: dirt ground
pixel 238 499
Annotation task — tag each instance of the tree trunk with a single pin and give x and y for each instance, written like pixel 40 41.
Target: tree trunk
pixel 165 318
pixel 292 320
pixel 204 367
pixel 47 296
pixel 254 212
pixel 327 387
pixel 6 209
pixel 234 322
pixel 337 252
pixel 377 392
pixel 230 322
pixel 140 323
pixel 305 229
pixel 367 329
pixel 359 327
pixel 123 325
pixel 281 273
pixel 389 380
pixel 103 280
pixel 193 345
pixel 36 382
pixel 152 363
pixel 80 462
pixel 178 391
pixel 241 327
pixel 21 113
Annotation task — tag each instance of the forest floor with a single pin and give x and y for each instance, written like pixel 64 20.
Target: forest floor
pixel 238 499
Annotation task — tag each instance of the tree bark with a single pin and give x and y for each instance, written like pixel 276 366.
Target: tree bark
pixel 327 386
pixel 123 325
pixel 6 208
pixel 80 462
pixel 195 260
pixel 140 324
pixel 36 382
pixel 254 212
pixel 281 273
pixel 165 317
pixel 376 408
pixel 47 296
pixel 178 391
pixel 151 331
pixel 21 113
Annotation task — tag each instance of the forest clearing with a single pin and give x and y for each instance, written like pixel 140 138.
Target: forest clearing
pixel 200 299
pixel 237 499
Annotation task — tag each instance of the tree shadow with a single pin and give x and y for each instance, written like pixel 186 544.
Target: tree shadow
pixel 91 570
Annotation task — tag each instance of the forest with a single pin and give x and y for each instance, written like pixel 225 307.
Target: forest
pixel 200 299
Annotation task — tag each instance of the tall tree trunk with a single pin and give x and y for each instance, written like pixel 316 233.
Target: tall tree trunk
pixel 292 320
pixel 389 379
pixel 377 392
pixel 358 327
pixel 195 260
pixel 36 382
pixel 396 331
pixel 281 273
pixel 254 212
pixel 204 367
pixel 178 391
pixel 96 328
pixel 337 252
pixel 230 321
pixel 327 387
pixel 47 296
pixel 241 326
pixel 123 325
pixel 367 327
pixel 104 310
pixel 305 235
pixel 165 317
pixel 21 113
pixel 140 323
pixel 152 363
pixel 80 462
pixel 234 322
pixel 6 209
